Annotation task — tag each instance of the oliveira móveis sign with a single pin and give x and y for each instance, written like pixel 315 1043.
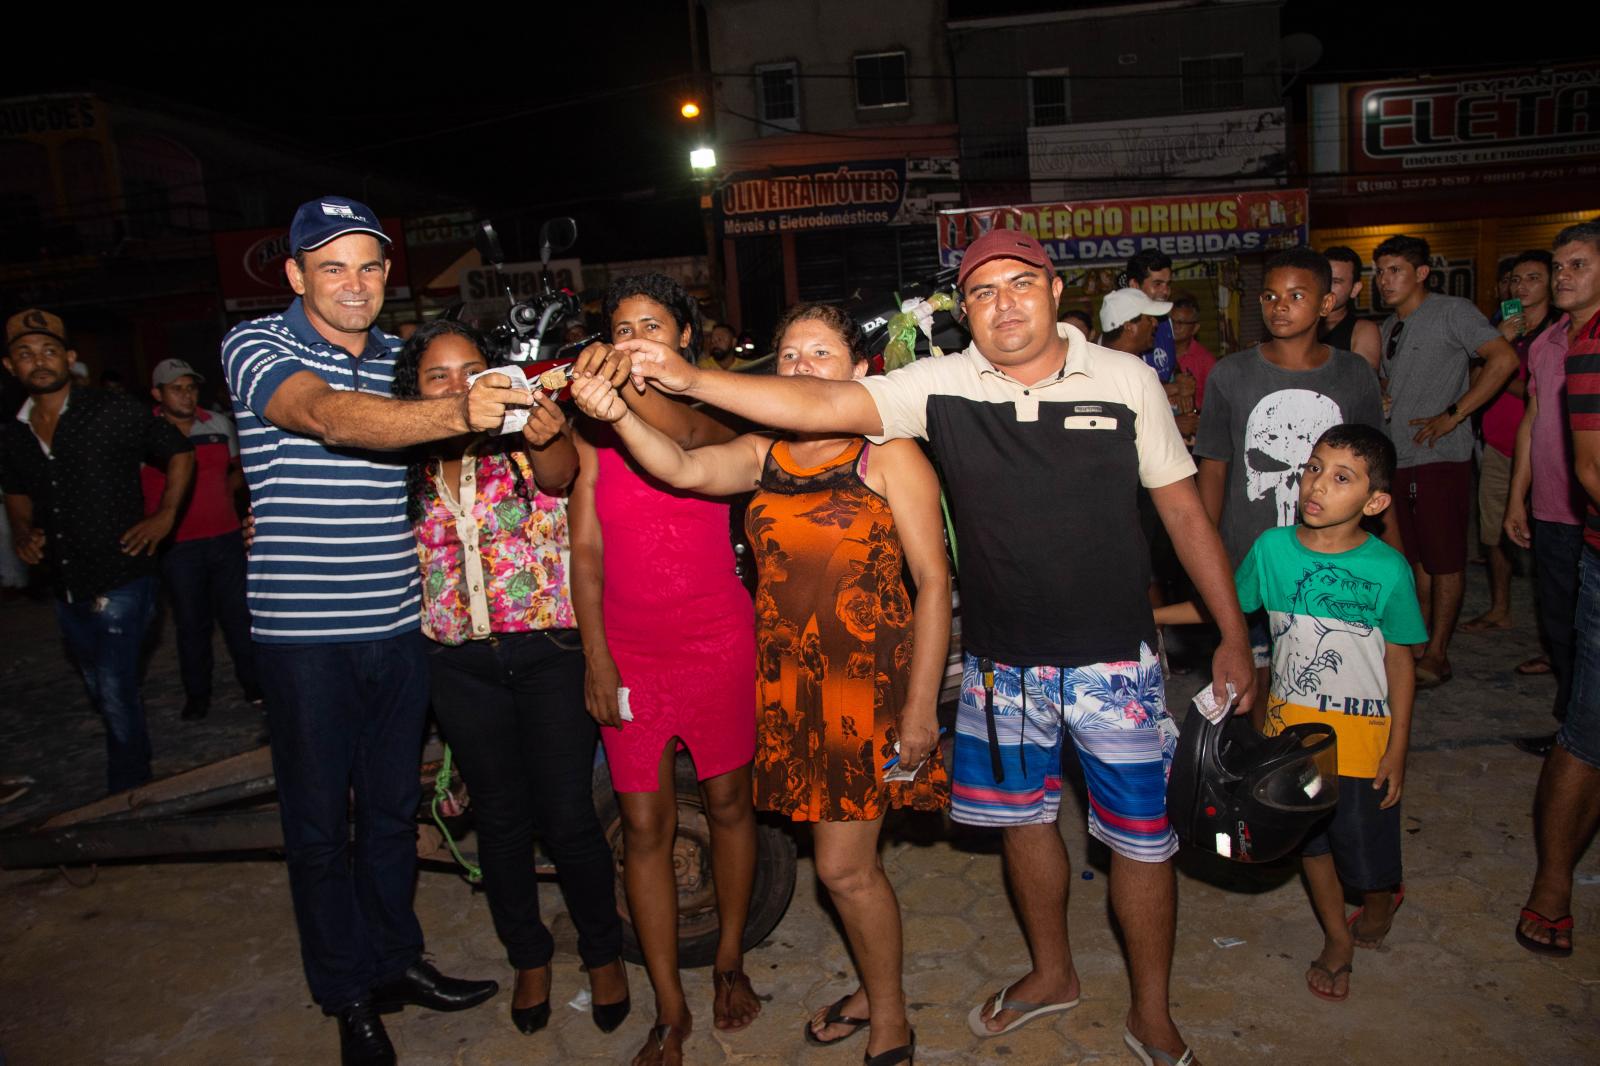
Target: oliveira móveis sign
pixel 827 196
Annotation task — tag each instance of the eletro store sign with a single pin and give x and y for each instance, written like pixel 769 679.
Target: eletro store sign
pixel 1398 135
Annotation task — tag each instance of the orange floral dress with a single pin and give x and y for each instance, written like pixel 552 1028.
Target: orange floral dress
pixel 833 641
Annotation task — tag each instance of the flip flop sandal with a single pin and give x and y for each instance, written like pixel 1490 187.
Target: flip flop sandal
pixel 1030 1011
pixel 834 1017
pixel 1151 1055
pixel 1476 626
pixel 1355 915
pixel 1427 679
pixel 1553 926
pixel 1539 664
pixel 658 1037
pixel 728 980
pixel 1333 976
pixel 894 1056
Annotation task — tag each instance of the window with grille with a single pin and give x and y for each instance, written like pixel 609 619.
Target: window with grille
pixel 881 80
pixel 1049 98
pixel 778 96
pixel 1212 83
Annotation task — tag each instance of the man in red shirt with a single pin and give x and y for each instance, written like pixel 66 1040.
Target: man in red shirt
pixel 1567 805
pixel 204 566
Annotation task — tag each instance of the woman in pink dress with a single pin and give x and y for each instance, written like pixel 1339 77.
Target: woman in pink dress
pixel 665 618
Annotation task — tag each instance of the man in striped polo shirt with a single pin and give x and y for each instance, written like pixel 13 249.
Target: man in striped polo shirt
pixel 1567 804
pixel 334 595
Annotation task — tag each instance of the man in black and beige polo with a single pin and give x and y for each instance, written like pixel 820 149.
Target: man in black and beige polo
pixel 1043 440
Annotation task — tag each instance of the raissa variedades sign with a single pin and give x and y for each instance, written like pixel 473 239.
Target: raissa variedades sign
pixel 1093 232
pixel 1486 128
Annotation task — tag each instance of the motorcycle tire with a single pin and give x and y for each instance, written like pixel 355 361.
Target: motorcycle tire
pixel 697 905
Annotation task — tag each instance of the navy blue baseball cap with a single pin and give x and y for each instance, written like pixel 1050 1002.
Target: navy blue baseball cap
pixel 319 221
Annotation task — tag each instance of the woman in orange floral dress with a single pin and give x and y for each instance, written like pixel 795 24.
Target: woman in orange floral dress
pixel 848 669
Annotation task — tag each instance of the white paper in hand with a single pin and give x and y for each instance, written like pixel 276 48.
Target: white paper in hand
pixel 515 417
pixel 1206 703
pixel 623 710
pixel 899 771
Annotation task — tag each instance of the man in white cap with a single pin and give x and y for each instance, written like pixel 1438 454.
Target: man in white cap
pixel 1128 320
pixel 204 566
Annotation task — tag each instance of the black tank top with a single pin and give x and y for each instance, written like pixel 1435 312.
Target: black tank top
pixel 1339 336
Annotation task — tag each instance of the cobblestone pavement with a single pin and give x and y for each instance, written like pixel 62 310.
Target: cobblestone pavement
pixel 196 962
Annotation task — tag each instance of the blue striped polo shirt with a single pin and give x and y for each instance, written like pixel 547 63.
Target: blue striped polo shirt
pixel 334 559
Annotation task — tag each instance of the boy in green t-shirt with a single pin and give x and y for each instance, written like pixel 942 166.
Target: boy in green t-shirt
pixel 1343 613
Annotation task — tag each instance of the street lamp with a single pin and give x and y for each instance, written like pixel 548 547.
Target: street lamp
pixel 703 161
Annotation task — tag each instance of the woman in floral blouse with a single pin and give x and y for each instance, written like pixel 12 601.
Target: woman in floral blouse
pixel 508 670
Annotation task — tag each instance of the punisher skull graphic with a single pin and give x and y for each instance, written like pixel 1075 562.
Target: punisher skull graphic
pixel 1277 439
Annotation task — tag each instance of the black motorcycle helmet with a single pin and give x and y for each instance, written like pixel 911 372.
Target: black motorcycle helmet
pixel 1246 796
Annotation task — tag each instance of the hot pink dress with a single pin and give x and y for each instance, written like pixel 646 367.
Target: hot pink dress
pixel 679 624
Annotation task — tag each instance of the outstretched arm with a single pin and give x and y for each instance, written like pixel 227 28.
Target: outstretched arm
pixel 716 470
pixel 687 426
pixel 808 405
pixel 307 405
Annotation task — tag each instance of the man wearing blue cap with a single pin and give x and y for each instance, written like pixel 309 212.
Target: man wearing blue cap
pixel 334 598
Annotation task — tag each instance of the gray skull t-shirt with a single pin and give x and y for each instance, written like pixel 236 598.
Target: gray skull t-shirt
pixel 1262 420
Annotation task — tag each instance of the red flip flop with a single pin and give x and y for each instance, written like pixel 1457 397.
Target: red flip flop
pixel 1399 898
pixel 1553 926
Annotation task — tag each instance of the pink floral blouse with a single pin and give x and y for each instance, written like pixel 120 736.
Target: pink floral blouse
pixel 492 561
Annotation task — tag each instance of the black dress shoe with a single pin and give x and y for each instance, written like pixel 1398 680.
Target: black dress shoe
pixel 362 1040
pixel 607 1016
pixel 195 709
pixel 531 1019
pixel 423 986
pixel 1539 745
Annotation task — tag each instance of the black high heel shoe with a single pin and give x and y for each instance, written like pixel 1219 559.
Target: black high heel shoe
pixel 531 1019
pixel 607 1016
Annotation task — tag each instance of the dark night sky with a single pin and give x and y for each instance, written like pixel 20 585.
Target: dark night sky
pixel 576 109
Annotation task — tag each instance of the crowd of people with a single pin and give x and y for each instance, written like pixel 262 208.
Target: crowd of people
pixel 571 582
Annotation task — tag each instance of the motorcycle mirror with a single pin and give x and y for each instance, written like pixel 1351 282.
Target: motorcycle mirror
pixel 488 244
pixel 557 235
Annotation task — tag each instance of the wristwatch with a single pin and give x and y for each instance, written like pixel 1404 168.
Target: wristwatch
pixel 1451 410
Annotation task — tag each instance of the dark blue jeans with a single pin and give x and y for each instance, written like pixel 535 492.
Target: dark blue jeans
pixel 1557 547
pixel 512 710
pixel 205 586
pixel 105 636
pixel 349 717
pixel 1580 730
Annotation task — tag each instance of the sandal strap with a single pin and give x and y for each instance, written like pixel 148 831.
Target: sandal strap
pixel 895 1055
pixel 1560 925
pixel 661 1030
pixel 833 1017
